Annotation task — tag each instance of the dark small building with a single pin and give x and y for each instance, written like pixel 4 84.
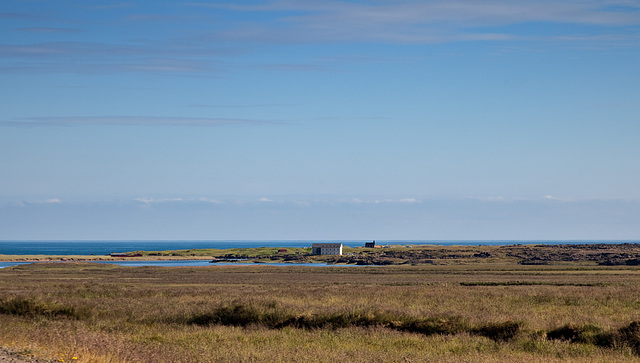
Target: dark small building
pixel 282 250
pixel 370 244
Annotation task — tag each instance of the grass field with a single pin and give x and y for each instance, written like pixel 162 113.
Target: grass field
pixel 492 310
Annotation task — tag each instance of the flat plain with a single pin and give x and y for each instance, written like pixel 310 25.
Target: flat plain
pixel 462 304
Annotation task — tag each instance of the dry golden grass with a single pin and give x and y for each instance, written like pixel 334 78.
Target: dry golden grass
pixel 105 313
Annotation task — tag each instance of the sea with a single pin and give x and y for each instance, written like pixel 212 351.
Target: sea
pixel 107 247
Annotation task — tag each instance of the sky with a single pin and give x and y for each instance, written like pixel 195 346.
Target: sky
pixel 320 120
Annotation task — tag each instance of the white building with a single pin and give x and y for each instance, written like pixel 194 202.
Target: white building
pixel 326 248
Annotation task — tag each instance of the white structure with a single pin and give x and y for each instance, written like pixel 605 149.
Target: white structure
pixel 326 248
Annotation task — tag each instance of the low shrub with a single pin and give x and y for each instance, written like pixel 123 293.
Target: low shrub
pixel 566 333
pixel 499 331
pixel 241 315
pixel 628 336
pixel 32 308
pixel 430 326
pixel 277 318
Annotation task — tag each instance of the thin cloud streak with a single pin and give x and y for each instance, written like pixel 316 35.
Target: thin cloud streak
pixel 133 121
pixel 114 57
pixel 240 105
pixel 200 50
pixel 14 16
pixel 150 200
pixel 486 13
pixel 143 48
pixel 49 201
pixel 48 30
pixel 413 22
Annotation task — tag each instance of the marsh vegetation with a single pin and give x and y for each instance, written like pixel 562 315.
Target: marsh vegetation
pixel 467 309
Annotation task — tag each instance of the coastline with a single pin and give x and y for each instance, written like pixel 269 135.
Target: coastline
pixel 80 258
pixel 106 247
pixel 531 254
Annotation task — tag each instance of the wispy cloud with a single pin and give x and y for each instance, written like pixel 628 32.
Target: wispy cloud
pixel 48 30
pixel 488 198
pixel 301 67
pixel 597 41
pixel 416 21
pixel 39 202
pixel 158 49
pixel 357 200
pixel 149 200
pixel 159 56
pixel 241 106
pixel 209 47
pixel 558 199
pixel 14 16
pixel 409 200
pixel 280 200
pixel 120 5
pixel 132 121
pixel 209 200
pixel 70 48
pixel 48 201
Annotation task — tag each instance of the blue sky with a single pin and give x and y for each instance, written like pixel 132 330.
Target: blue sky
pixel 320 120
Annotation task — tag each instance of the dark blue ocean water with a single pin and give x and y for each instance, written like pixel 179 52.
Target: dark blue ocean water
pixel 107 247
